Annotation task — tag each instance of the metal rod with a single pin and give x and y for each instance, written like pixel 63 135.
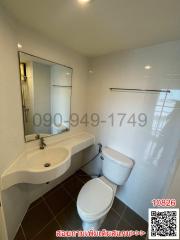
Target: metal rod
pixel 54 85
pixel 139 90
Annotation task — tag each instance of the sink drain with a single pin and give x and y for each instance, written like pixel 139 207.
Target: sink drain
pixel 47 165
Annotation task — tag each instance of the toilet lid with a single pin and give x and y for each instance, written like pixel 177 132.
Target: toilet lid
pixel 95 197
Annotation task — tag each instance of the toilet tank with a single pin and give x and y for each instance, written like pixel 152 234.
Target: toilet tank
pixel 116 166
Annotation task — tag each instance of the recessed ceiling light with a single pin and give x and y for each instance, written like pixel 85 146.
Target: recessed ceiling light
pixel 84 1
pixel 147 67
pixel 19 45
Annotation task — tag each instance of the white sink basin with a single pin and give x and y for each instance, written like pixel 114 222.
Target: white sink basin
pixel 48 164
pixel 40 166
pixel 47 159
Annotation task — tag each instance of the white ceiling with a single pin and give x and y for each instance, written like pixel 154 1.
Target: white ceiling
pixel 103 26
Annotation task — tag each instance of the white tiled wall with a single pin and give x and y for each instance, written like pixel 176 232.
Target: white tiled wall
pixel 153 146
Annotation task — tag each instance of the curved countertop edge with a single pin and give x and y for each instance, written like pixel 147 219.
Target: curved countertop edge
pixel 15 174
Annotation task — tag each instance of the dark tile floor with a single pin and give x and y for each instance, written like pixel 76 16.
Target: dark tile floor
pixel 57 210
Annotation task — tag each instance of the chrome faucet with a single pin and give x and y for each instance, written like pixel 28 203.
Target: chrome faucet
pixel 42 143
pixel 37 136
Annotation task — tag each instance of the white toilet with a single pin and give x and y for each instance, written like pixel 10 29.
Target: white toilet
pixel 97 195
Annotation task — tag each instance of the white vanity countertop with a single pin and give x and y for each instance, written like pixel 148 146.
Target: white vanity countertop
pixel 23 171
pixel 76 143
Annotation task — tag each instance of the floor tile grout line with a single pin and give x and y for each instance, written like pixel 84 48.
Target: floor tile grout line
pixel 134 228
pixel 53 219
pixel 118 212
pixel 59 226
pixel 43 228
pixel 59 185
pixel 55 216
pixel 59 214
pixel 129 209
pixel 73 198
pixel 121 216
pixel 29 209
pixel 126 220
pixel 64 208
pixel 68 193
pixel 81 179
pixel 49 208
pixel 72 201
pixel 23 232
pixel 69 227
pixel 137 216
pixel 51 191
pixel 68 179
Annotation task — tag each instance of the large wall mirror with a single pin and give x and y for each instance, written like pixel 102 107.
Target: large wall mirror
pixel 46 96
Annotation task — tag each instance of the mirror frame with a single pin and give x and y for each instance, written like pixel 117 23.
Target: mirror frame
pixel 18 53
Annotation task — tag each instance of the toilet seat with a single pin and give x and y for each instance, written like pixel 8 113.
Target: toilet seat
pixel 95 199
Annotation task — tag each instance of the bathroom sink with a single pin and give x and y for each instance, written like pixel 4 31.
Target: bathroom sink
pixel 37 166
pixel 47 165
pixel 44 160
pixel 40 166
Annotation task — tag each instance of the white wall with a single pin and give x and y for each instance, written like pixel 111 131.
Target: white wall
pixel 11 130
pixel 16 200
pixel 152 147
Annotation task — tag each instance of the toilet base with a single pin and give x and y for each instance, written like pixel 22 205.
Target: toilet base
pixel 95 225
